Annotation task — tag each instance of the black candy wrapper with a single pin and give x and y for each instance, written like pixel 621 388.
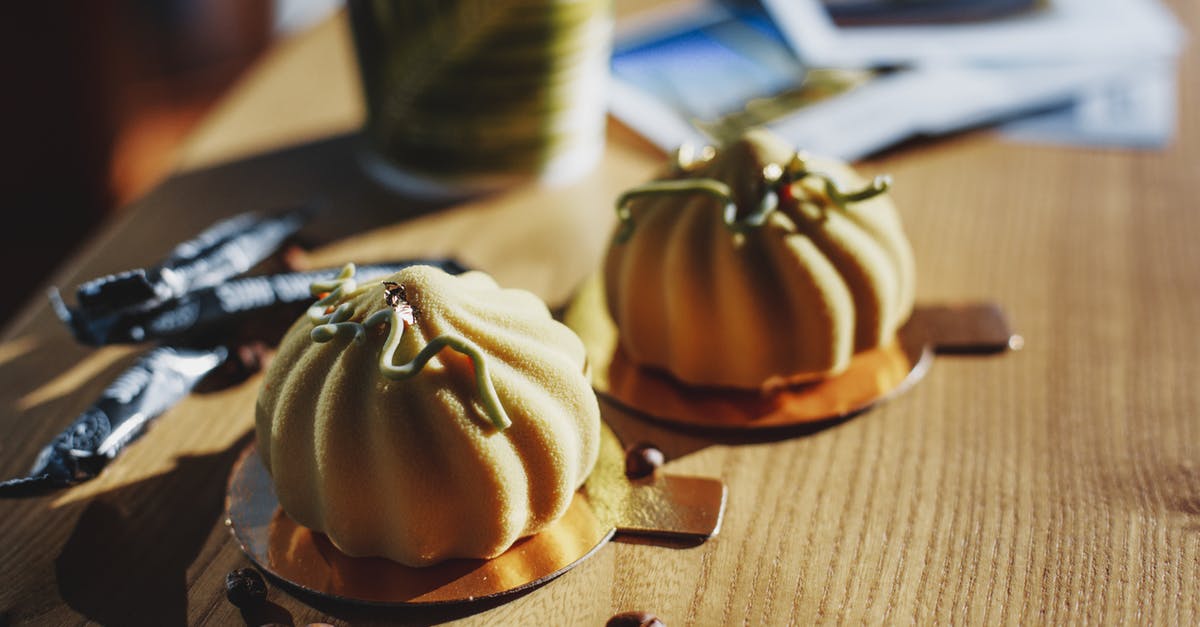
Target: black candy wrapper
pixel 225 249
pixel 156 382
pixel 197 313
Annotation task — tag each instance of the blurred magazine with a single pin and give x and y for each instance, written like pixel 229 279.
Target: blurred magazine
pixel 711 70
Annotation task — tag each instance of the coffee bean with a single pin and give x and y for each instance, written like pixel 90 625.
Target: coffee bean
pixel 641 460
pixel 245 588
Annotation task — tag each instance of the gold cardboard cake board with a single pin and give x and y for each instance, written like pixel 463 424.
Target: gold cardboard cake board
pixel 609 503
pixel 872 377
pixel 657 505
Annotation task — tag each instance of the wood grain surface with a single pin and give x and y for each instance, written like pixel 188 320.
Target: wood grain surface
pixel 1060 483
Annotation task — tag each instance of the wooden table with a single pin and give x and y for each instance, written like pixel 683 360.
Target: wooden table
pixel 1059 483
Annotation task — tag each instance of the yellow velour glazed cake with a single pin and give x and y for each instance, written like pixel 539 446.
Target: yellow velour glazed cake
pixel 752 262
pixel 427 417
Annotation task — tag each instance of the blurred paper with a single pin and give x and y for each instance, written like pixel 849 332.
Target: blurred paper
pixel 1087 31
pixel 1137 110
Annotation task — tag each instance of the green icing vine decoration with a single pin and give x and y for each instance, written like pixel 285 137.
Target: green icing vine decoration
pixel 778 178
pixel 330 316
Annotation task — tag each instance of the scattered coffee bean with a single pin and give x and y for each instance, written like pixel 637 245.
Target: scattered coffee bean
pixel 245 588
pixel 635 619
pixel 641 460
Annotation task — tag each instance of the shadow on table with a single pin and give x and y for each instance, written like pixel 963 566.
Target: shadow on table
pixel 414 616
pixel 126 561
pixel 677 441
pixel 324 173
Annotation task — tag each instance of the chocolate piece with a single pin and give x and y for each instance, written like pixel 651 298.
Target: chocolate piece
pixel 194 316
pixel 635 619
pixel 151 386
pixel 966 328
pixel 642 460
pixel 224 250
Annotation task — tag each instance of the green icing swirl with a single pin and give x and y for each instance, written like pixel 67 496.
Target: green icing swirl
pixel 775 176
pixel 337 323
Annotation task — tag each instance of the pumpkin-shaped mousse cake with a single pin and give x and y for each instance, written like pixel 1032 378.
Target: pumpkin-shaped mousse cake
pixel 752 264
pixel 427 416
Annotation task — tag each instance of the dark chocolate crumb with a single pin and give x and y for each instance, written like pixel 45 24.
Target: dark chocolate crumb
pixel 245 588
pixel 252 357
pixel 244 361
pixel 641 460
pixel 635 619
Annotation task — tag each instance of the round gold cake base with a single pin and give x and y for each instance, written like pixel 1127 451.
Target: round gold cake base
pixel 309 561
pixel 873 376
pixel 659 506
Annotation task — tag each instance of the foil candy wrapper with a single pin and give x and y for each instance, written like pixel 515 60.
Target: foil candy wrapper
pixel 152 385
pixel 226 249
pixel 199 312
